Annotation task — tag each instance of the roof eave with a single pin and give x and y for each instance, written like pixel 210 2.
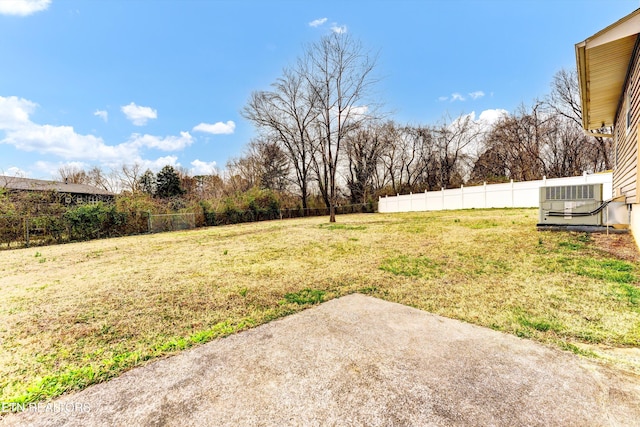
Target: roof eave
pixel 626 27
pixel 581 60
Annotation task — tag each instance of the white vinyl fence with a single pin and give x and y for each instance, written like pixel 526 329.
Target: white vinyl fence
pixel 509 195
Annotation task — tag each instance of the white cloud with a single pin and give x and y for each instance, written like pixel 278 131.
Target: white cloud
pixel 317 22
pixel 484 121
pixel 14 112
pixel 159 163
pixel 489 117
pixel 64 142
pixel 443 98
pixel 139 115
pixel 18 130
pixel 216 128
pixel 103 114
pixel 14 171
pixel 168 143
pixel 456 97
pixel 22 7
pixel 477 94
pixel 339 29
pixel 202 168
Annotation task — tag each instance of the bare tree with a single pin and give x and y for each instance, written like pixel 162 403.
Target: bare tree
pixel 71 174
pixel 453 139
pixel 107 181
pixel 490 167
pixel 363 150
pixel 273 163
pixel 243 173
pixel 209 186
pixel 518 140
pixel 567 151
pixel 285 115
pixel 415 156
pixel 339 74
pixel 263 164
pixel 564 100
pixel 130 177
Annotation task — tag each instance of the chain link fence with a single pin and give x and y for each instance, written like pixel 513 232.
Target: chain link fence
pixel 236 216
pixel 18 231
pixel 23 231
pixel 159 223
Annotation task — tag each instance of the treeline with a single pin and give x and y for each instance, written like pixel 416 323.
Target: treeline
pixel 32 218
pixel 322 143
pixel 287 169
pixel 320 133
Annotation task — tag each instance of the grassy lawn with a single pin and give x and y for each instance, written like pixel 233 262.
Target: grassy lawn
pixel 76 314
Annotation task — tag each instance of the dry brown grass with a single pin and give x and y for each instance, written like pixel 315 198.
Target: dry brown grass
pixel 76 314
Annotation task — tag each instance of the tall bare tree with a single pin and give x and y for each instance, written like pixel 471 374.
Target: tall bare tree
pixel 339 73
pixel 285 115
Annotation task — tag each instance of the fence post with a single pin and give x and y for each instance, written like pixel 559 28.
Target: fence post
pixel 410 201
pixel 426 199
pixel 443 198
pixel 512 199
pixel 398 202
pixel 461 196
pixel 26 230
pixel 484 186
pixel 149 222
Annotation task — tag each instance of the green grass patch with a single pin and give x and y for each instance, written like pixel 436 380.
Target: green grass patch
pixel 335 226
pixel 539 324
pixel 305 296
pixel 574 246
pixel 404 265
pixel 478 225
pixel 611 270
pixel 629 293
pixel 575 349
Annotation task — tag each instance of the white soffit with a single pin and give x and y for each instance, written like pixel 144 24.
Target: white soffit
pixel 603 61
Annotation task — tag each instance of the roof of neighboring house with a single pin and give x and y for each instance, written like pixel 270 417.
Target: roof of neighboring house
pixel 15 183
pixel 603 62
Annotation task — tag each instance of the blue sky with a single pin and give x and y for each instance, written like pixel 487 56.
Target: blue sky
pixel 112 82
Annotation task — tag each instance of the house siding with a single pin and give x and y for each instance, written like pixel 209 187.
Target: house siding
pixel 625 175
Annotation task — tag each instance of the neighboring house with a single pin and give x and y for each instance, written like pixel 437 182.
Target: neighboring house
pixel 609 76
pixel 65 193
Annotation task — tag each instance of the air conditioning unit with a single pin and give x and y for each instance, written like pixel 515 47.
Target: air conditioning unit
pixel 571 205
